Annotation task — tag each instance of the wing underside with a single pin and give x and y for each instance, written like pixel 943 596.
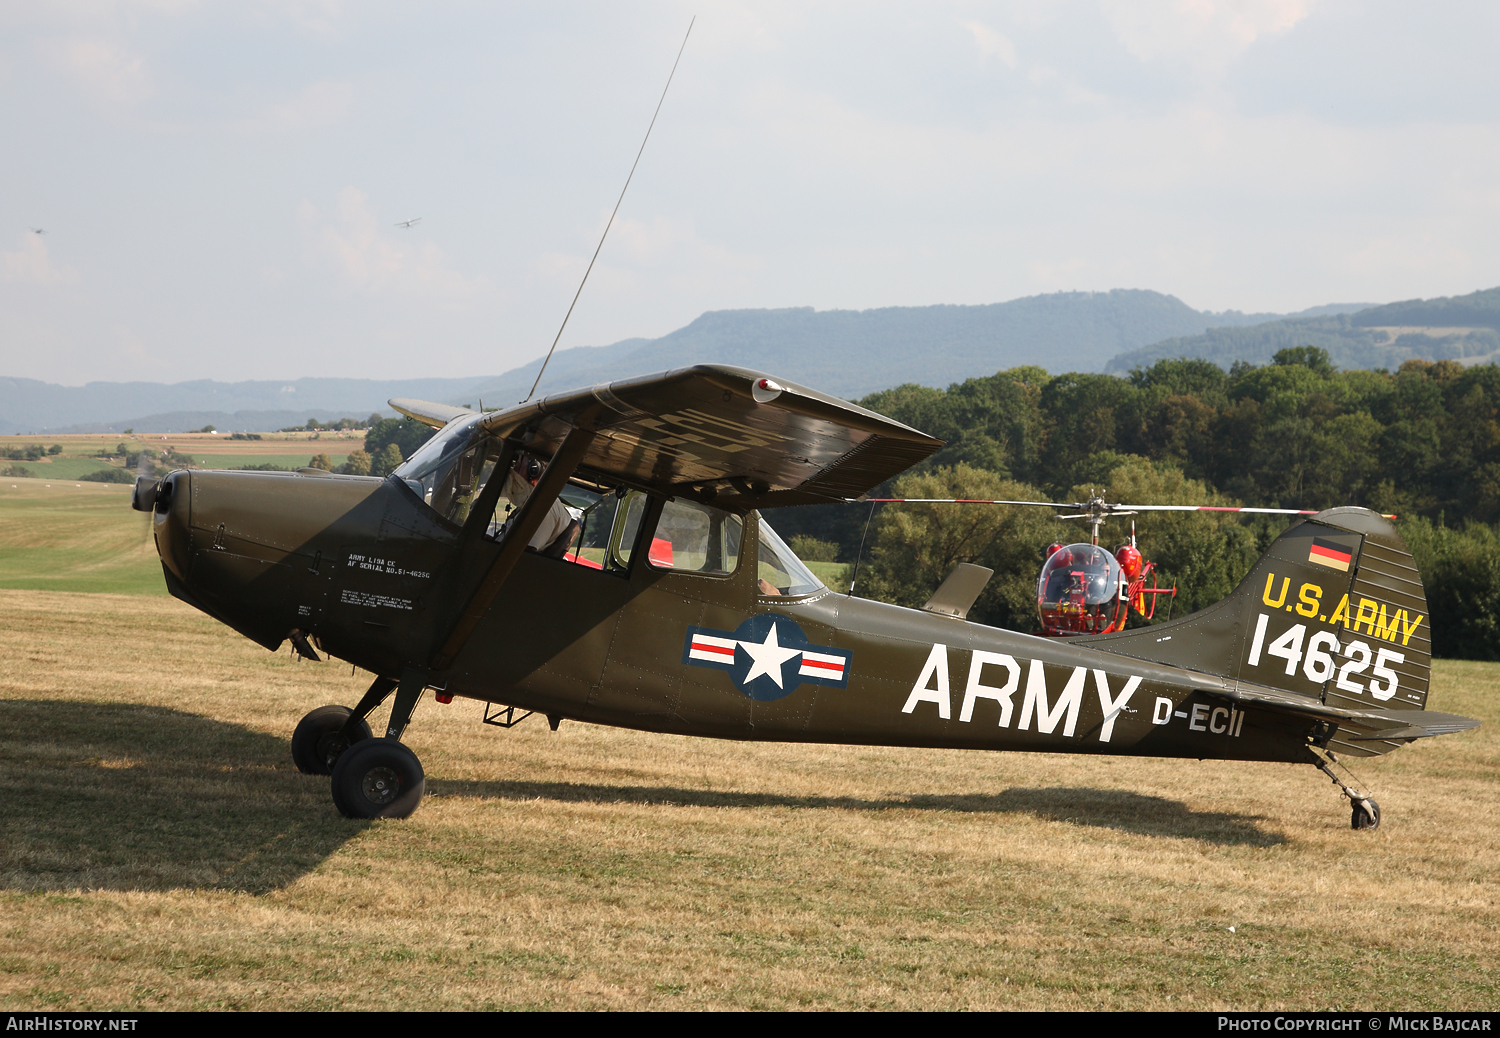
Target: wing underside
pixel 715 433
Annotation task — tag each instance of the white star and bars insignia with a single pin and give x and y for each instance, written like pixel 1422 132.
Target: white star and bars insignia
pixel 767 656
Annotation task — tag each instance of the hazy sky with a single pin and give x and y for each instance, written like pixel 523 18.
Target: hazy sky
pixel 219 183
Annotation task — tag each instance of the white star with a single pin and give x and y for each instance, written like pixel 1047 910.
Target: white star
pixel 767 657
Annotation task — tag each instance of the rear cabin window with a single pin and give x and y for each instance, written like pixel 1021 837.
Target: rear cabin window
pixel 689 537
pixel 695 538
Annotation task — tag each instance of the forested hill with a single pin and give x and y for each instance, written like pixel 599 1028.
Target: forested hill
pixel 1462 328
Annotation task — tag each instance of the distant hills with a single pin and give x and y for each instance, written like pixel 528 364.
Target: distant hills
pixel 854 352
pixel 845 352
pixel 27 405
pixel 1461 328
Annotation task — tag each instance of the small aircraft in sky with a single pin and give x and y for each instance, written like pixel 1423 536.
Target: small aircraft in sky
pixel 599 555
pixel 410 223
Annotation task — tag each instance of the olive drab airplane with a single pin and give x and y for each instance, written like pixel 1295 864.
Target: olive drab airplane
pixel 598 556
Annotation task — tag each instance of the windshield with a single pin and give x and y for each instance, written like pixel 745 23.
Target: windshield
pixel 780 571
pixel 451 468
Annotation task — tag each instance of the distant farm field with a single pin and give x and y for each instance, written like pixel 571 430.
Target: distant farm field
pixel 159 850
pixel 285 459
pixel 82 454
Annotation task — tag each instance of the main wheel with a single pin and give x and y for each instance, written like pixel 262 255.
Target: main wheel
pixel 378 778
pixel 1365 815
pixel 317 742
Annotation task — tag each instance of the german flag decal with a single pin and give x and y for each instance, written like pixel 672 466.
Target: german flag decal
pixel 1327 553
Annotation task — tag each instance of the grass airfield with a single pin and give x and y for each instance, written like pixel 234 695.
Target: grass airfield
pixel 159 850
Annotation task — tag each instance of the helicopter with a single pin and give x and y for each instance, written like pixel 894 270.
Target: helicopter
pixel 668 604
pixel 1086 588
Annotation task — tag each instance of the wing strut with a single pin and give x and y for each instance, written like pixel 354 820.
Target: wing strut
pixel 527 521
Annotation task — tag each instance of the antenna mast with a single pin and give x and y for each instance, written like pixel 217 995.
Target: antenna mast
pixel 611 222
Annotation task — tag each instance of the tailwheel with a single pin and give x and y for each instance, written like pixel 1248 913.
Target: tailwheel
pixel 378 778
pixel 1365 814
pixel 319 740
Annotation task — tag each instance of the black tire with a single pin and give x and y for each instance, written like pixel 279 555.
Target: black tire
pixel 1365 815
pixel 378 778
pixel 317 744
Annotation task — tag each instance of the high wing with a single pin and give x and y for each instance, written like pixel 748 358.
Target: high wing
pixel 716 433
pixel 428 413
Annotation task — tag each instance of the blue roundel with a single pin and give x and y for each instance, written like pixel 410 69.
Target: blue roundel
pixel 767 657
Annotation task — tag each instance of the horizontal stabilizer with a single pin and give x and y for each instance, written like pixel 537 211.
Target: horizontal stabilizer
pixel 1359 730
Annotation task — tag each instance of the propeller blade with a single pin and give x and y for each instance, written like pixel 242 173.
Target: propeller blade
pixel 143 468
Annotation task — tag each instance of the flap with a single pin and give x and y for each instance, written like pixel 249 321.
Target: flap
pixel 725 435
pixel 428 413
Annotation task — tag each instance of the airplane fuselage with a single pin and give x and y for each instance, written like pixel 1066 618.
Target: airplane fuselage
pixel 367 570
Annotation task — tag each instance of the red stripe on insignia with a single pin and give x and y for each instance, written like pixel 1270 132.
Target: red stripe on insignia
pixel 703 647
pixel 821 665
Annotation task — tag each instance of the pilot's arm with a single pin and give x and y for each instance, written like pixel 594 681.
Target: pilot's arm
pixel 518 489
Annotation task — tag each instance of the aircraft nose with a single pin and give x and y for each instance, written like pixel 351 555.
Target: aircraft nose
pixel 169 521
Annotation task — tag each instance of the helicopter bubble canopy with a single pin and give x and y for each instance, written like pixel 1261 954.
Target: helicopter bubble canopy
pixel 1081 591
pixel 1080 574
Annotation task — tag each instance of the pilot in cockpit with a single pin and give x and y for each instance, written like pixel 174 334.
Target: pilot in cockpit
pixel 559 526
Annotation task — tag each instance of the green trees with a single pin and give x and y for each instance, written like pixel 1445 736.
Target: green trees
pixel 915 546
pixel 321 461
pixel 1461 571
pixel 110 475
pixel 356 464
pixel 387 460
pixel 405 434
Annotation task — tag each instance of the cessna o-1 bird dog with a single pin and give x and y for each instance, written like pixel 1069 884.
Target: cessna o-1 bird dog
pixel 598 555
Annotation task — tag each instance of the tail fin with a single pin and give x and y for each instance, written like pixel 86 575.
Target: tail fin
pixel 1334 611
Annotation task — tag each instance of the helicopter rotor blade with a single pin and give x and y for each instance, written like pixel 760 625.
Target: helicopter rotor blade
pixel 964 501
pixel 1101 508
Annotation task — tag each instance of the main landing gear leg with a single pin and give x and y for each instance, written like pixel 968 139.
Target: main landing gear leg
pixel 1364 812
pixel 325 733
pixel 381 778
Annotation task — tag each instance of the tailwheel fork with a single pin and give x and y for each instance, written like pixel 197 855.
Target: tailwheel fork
pixel 1364 812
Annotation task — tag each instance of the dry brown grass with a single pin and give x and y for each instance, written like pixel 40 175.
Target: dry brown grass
pixel 159 851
